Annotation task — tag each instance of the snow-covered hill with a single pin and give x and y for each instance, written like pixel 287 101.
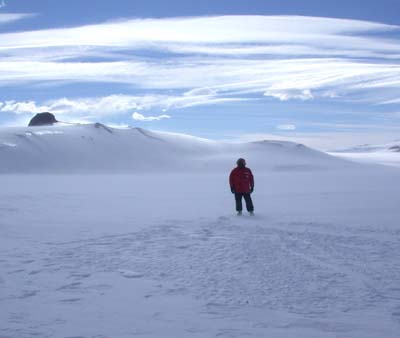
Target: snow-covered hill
pixel 387 154
pixel 98 148
pixel 393 147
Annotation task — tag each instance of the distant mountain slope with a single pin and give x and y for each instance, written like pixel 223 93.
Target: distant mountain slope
pixel 369 148
pixel 386 154
pixel 98 148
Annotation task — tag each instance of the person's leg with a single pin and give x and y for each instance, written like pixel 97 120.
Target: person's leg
pixel 249 202
pixel 238 199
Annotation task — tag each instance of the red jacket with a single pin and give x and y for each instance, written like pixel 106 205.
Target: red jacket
pixel 241 180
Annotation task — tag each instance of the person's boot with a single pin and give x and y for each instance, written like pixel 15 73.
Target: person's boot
pixel 239 213
pixel 251 213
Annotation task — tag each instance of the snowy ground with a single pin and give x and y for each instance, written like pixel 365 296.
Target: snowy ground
pixel 165 256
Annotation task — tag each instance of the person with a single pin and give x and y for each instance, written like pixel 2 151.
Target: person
pixel 241 181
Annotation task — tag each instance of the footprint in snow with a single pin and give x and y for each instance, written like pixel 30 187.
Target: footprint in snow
pixel 70 300
pixel 79 275
pixel 70 286
pixel 16 271
pixel 130 274
pixel 27 261
pixel 223 219
pixel 28 294
pixel 182 247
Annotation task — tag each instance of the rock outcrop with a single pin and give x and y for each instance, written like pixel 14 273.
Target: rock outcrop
pixel 42 119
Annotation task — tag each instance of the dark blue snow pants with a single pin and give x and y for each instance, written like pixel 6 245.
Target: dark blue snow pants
pixel 247 199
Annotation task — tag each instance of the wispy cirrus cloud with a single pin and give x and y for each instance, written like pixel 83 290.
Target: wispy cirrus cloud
pixel 208 31
pixel 223 58
pixel 394 101
pixel 224 35
pixel 282 79
pixel 11 17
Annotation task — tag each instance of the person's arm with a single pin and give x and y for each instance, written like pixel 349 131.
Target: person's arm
pixel 251 181
pixel 231 182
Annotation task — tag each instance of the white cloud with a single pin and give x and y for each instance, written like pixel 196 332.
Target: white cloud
pixel 208 30
pixel 283 79
pixel 286 127
pixel 284 48
pixel 393 101
pixel 286 95
pixel 21 107
pixel 89 108
pixel 2 4
pixel 139 117
pixel 11 17
pixel 293 57
pixel 205 91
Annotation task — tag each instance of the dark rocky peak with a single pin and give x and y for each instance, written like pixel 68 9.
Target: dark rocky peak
pixel 98 125
pixel 42 119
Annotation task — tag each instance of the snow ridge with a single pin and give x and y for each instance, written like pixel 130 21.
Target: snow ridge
pixel 99 148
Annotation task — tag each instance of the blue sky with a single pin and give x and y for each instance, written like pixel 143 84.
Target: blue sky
pixel 319 72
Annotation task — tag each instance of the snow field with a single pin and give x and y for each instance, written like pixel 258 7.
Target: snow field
pixel 164 256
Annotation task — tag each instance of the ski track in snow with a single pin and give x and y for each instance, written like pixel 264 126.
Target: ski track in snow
pixel 232 265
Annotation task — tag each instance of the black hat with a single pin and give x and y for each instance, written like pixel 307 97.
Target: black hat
pixel 241 162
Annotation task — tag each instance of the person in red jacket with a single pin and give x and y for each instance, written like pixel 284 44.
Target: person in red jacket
pixel 241 181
